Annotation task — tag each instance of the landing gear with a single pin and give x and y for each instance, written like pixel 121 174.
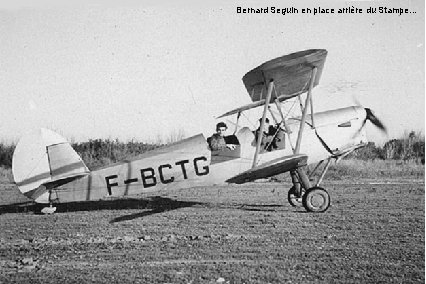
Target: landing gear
pixel 300 183
pixel 316 199
pixel 295 197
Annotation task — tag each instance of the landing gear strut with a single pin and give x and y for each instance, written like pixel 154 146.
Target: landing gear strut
pixel 297 190
pixel 295 196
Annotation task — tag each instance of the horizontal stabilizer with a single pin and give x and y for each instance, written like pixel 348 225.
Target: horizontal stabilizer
pixel 41 193
pixel 36 193
pixel 271 168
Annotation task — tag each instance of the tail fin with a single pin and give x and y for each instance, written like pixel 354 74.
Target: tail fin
pixel 42 157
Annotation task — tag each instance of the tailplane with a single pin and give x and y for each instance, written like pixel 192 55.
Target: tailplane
pixel 43 158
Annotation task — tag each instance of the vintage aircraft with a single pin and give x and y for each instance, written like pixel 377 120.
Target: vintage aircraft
pixel 47 169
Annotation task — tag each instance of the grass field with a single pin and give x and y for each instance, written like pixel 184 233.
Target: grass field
pixel 229 234
pixel 372 233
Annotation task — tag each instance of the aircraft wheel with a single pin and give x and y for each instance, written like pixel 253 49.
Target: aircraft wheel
pixel 293 199
pixel 316 199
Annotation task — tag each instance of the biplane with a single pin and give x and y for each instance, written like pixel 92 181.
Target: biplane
pixel 48 170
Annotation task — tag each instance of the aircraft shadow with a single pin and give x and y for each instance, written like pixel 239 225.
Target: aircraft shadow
pixel 255 207
pixel 278 208
pixel 21 207
pixel 155 204
pixel 271 208
pixel 261 207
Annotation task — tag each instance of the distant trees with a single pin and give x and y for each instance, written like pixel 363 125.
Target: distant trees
pixel 369 152
pixel 409 148
pixel 6 154
pixel 98 152
pixel 412 147
pixel 95 152
pixel 101 152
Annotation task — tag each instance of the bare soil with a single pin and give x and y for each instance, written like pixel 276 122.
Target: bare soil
pixel 372 233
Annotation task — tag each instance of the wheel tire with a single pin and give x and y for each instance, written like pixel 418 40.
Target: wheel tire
pixel 316 199
pixel 293 199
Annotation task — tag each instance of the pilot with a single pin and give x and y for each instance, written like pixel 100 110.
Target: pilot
pixel 268 142
pixel 218 140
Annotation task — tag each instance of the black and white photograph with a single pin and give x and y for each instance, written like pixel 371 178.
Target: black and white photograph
pixel 212 142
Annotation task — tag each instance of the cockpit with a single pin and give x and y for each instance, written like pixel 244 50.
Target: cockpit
pixel 225 153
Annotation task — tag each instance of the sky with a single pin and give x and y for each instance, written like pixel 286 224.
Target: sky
pixel 146 70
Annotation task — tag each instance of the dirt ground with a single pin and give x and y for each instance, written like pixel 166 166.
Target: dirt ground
pixel 372 233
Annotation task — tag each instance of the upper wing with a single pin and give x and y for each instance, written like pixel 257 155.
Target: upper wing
pixel 291 74
pixel 271 168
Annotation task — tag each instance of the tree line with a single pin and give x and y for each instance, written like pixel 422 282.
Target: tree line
pixel 100 152
pixel 409 148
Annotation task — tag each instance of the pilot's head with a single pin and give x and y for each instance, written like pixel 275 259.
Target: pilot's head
pixel 221 128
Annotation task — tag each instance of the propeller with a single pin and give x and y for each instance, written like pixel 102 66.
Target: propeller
pixel 370 116
pixel 374 120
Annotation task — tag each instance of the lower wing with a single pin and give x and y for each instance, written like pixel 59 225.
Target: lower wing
pixel 271 168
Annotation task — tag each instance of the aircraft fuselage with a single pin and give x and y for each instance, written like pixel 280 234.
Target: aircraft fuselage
pixel 190 163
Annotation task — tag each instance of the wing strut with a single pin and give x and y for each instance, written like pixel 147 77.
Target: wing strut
pixel 287 129
pixel 305 111
pixel 262 123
